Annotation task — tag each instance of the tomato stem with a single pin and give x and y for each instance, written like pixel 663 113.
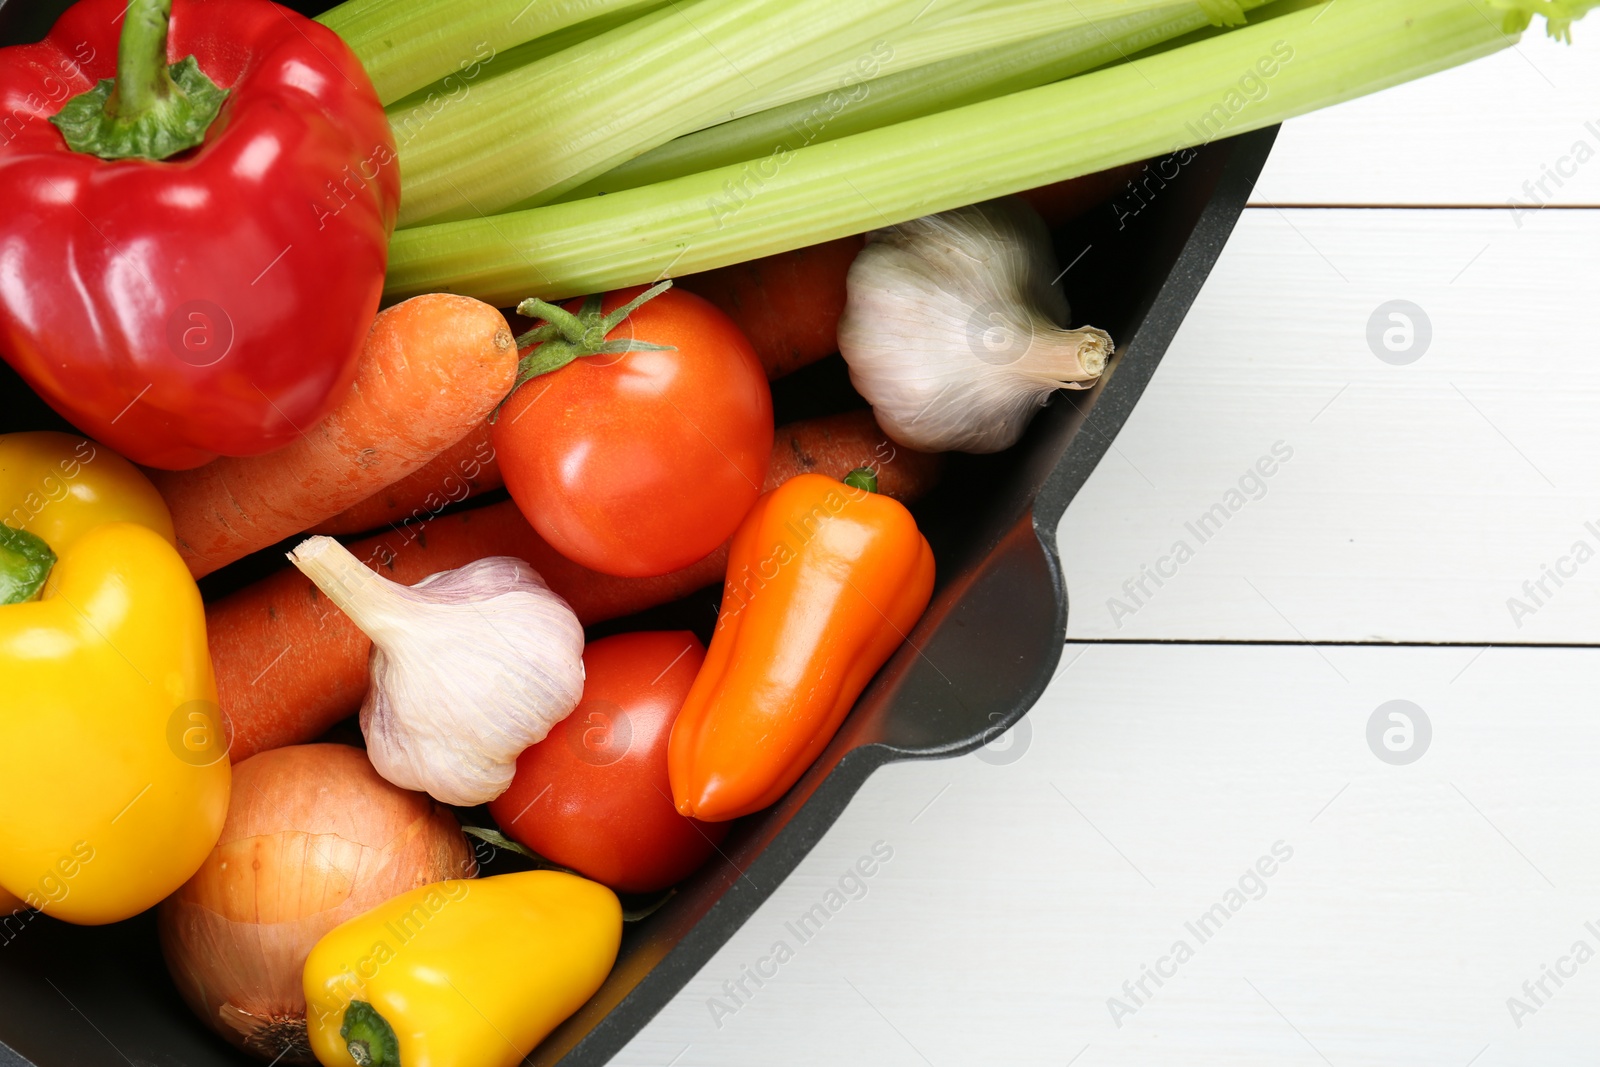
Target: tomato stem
pixel 559 322
pixel 644 911
pixel 499 840
pixel 564 337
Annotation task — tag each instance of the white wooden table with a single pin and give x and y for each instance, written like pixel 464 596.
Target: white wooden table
pixel 1219 729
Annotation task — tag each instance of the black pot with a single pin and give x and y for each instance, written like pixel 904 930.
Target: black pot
pixel 983 653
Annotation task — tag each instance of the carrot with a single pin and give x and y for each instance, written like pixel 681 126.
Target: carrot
pixel 289 664
pixel 464 470
pixel 1064 201
pixel 837 444
pixel 431 369
pixel 788 304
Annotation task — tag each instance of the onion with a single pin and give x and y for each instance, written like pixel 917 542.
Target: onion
pixel 314 836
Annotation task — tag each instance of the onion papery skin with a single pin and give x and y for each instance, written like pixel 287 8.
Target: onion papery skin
pixel 314 836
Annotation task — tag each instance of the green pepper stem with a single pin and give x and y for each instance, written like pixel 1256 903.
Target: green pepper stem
pixel 368 1036
pixel 25 562
pixel 862 478
pixel 150 110
pixel 143 80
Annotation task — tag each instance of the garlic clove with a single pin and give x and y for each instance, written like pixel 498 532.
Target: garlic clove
pixel 951 328
pixel 469 667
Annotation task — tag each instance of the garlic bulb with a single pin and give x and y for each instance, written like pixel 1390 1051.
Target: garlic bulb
pixel 952 328
pixel 469 667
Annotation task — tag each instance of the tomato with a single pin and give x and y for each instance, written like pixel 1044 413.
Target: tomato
pixel 641 462
pixel 594 795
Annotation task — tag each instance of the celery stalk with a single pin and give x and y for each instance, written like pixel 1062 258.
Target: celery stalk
pixel 991 25
pixel 1226 84
pixel 407 44
pixel 1559 15
pixel 450 87
pixel 561 120
pixel 907 94
pixel 602 105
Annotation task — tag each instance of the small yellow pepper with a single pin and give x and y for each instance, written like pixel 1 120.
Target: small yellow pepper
pixel 463 973
pixel 113 769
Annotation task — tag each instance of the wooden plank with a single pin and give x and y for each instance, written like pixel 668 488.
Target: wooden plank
pixel 1473 135
pixel 1021 896
pixel 1417 499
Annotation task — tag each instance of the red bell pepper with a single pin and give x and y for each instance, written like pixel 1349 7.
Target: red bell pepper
pixel 191 254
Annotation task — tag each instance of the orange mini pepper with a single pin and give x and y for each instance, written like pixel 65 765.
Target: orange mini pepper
pixel 824 582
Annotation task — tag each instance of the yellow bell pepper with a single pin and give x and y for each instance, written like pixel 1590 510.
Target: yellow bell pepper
pixel 113 765
pixel 58 487
pixel 463 973
pixel 9 905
